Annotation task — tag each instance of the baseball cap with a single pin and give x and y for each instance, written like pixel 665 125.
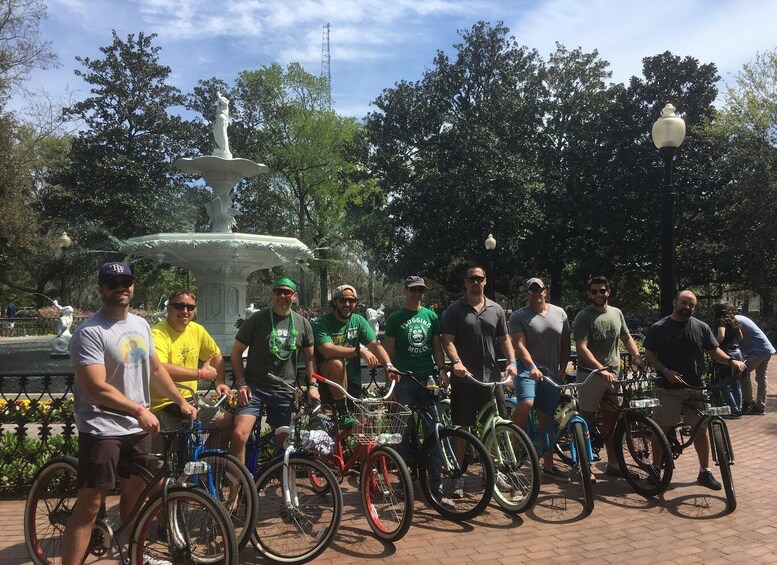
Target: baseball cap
pixel 341 289
pixel 531 282
pixel 114 269
pixel 283 281
pixel 414 280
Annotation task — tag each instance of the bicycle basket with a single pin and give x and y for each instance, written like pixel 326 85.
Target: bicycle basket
pixel 381 421
pixel 642 393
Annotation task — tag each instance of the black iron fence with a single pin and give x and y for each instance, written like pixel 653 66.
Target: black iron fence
pixel 38 325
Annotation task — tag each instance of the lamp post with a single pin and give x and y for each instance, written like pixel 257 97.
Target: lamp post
pixel 668 134
pixel 490 244
pixel 63 242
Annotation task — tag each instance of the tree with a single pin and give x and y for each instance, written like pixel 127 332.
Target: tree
pixel 119 181
pixel 455 155
pixel 746 130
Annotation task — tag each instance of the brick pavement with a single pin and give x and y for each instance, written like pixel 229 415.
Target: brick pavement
pixel 687 524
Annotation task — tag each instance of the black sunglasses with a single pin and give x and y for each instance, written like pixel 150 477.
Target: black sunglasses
pixel 535 290
pixel 417 289
pixel 115 283
pixel 477 280
pixel 286 292
pixel 595 291
pixel 181 306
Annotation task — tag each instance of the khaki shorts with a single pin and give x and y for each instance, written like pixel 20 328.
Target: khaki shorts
pixel 590 395
pixel 668 413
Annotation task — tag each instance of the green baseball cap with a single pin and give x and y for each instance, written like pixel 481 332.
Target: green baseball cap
pixel 283 281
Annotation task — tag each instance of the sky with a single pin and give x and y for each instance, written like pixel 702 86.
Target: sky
pixel 376 43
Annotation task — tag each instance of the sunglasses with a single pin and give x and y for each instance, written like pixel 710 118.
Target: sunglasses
pixel 476 280
pixel 596 291
pixel 115 283
pixel 346 300
pixel 285 292
pixel 181 306
pixel 417 289
pixel 535 290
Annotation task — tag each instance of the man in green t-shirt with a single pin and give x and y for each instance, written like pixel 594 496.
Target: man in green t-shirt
pixel 597 330
pixel 339 337
pixel 413 344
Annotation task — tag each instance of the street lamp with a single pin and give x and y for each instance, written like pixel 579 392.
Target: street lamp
pixel 490 244
pixel 63 242
pixel 668 134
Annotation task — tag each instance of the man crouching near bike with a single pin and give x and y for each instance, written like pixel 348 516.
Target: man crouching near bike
pixel 675 347
pixel 115 367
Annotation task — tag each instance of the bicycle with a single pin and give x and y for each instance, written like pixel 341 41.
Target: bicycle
pixel 636 437
pixel 300 500
pixel 385 485
pixel 680 436
pixel 227 479
pixel 439 470
pixel 516 464
pixel 171 522
pixel 568 430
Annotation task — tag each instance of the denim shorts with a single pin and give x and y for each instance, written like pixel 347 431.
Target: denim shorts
pixel 277 405
pixel 544 394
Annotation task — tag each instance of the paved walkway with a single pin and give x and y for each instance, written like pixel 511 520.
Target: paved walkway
pixel 687 525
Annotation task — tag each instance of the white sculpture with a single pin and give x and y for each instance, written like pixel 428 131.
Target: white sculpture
pixel 220 128
pixel 157 317
pixel 61 342
pixel 250 310
pixel 374 317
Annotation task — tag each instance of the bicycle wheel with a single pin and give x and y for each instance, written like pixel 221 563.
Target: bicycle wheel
pixel 723 458
pixel 230 483
pixel 445 413
pixel 386 493
pixel 302 528
pixel 441 475
pixel 563 447
pixel 636 438
pixel 580 445
pixel 49 505
pixel 517 478
pixel 200 529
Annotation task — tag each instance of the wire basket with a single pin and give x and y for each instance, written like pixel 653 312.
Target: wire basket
pixel 381 421
pixel 642 393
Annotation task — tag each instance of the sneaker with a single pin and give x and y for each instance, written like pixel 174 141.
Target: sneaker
pixel 706 479
pixel 502 483
pixel 756 411
pixel 149 559
pixel 555 474
pixel 732 416
pixel 616 472
pixel 457 491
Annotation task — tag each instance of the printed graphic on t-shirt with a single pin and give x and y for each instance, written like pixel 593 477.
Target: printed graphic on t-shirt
pixel 417 331
pixel 183 356
pixel 134 350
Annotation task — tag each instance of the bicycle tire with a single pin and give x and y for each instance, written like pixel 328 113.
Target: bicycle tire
pixel 516 466
pixel 386 493
pixel 563 447
pixel 280 534
pixel 446 419
pixel 723 458
pixel 636 436
pixel 477 475
pixel 49 504
pixel 242 507
pixel 584 465
pixel 202 528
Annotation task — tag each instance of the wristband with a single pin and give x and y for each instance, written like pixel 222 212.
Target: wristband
pixel 200 374
pixel 142 406
pixel 664 371
pixel 730 359
pixel 241 383
pixel 313 385
pixel 514 363
pixel 457 360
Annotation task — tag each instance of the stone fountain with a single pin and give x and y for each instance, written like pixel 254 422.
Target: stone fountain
pixel 220 259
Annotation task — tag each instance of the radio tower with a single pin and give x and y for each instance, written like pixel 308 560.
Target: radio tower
pixel 326 58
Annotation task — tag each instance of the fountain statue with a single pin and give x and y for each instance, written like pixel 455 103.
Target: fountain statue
pixel 60 343
pixel 374 317
pixel 221 259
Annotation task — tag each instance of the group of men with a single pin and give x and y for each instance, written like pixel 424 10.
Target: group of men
pixel 126 372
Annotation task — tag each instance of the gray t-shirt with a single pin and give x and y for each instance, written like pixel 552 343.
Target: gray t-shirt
pixel 602 331
pixel 542 334
pixel 125 348
pixel 476 336
pixel 256 331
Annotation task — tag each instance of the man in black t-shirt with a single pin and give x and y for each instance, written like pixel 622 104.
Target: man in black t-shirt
pixel 675 348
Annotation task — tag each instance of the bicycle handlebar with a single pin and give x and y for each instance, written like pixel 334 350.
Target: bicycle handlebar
pixel 472 378
pixel 324 380
pixel 549 380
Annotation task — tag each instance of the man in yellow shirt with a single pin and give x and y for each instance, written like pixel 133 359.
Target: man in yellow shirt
pixel 181 343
